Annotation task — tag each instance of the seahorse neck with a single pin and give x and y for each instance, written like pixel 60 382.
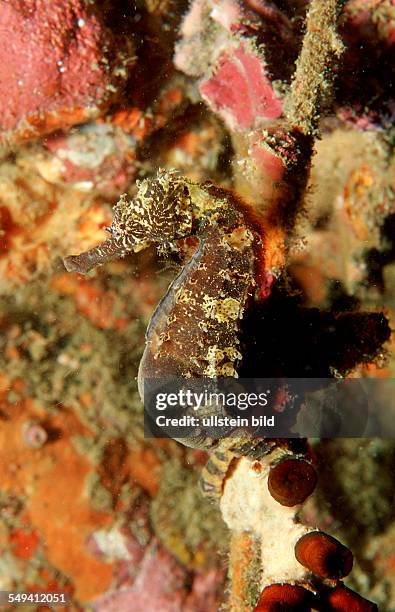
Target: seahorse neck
pixel 206 210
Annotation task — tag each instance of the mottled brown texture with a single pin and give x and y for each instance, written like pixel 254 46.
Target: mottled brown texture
pixel 194 331
pixel 314 69
pixel 85 262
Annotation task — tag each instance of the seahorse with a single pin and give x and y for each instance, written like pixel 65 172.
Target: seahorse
pixel 195 329
pixel 195 332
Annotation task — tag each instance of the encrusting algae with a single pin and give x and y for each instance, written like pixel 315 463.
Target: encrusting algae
pixel 271 124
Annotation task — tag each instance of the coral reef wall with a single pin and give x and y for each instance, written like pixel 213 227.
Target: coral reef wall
pixel 94 96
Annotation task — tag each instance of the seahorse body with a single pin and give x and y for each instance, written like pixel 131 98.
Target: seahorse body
pixel 194 331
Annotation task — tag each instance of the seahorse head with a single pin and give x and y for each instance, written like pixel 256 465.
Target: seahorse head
pixel 161 212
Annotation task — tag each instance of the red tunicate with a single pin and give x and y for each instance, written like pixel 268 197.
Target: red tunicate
pixel 342 599
pixel 291 481
pixel 279 597
pixel 324 555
